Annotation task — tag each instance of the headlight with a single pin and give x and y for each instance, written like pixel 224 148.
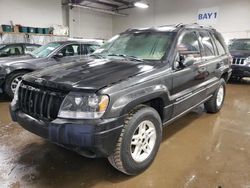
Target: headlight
pixel 86 106
pixel 15 98
pixel 247 61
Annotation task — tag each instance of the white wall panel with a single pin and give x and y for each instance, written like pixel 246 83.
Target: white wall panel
pixel 233 20
pixel 36 13
pixel 89 24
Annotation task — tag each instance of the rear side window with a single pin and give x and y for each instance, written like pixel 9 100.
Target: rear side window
pixel 219 45
pixel 11 51
pixel 207 44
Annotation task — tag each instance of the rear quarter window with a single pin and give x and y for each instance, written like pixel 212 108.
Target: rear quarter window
pixel 220 44
pixel 207 43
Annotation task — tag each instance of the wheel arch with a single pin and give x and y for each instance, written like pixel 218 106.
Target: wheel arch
pixel 157 100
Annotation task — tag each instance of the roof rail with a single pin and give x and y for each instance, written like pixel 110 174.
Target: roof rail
pixel 179 25
pixel 195 25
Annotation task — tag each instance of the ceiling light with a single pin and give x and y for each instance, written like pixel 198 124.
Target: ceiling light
pixel 141 4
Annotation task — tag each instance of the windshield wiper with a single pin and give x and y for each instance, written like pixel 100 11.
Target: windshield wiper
pixel 127 57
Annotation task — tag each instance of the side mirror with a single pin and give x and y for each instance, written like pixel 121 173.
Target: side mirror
pixel 185 61
pixel 58 55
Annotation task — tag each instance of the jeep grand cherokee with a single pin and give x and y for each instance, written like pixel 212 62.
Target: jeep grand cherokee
pixel 115 103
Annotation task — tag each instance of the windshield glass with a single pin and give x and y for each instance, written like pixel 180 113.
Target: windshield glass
pixel 46 50
pixel 241 44
pixel 143 45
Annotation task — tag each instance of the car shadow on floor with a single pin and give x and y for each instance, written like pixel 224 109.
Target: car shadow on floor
pixel 4 98
pixel 243 81
pixel 182 122
pixel 46 165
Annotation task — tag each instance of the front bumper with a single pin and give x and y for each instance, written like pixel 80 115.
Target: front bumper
pixel 240 71
pixel 90 138
pixel 2 80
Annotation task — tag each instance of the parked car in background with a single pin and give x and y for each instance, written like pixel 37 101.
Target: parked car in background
pixel 240 51
pixel 116 103
pixel 16 49
pixel 11 71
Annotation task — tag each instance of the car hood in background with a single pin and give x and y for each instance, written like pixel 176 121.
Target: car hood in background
pixel 240 53
pixel 89 74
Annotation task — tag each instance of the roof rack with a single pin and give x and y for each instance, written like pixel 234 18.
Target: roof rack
pixel 194 25
pixel 179 25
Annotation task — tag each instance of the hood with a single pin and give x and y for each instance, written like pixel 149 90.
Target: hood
pixel 90 74
pixel 8 61
pixel 240 53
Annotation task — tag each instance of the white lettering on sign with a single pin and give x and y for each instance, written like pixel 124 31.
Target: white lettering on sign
pixel 208 16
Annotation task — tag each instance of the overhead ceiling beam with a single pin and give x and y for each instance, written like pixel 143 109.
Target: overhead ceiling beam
pixel 122 2
pixel 96 9
pixel 103 3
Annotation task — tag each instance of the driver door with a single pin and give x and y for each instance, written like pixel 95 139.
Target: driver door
pixel 187 73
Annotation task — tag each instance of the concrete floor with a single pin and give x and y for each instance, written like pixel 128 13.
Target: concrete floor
pixel 198 150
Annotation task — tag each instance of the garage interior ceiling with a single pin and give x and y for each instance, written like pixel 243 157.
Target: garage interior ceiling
pixel 106 6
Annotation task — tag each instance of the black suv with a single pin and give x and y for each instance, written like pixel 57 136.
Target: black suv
pixel 115 103
pixel 240 51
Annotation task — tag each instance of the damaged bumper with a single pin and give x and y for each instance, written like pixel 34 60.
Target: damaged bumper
pixel 90 138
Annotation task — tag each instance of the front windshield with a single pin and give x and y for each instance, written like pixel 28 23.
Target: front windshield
pixel 46 50
pixel 241 44
pixel 142 45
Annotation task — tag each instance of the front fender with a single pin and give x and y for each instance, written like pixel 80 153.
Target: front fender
pixel 126 102
pixel 19 66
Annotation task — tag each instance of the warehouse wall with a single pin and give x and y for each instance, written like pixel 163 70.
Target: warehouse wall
pixel 37 13
pixel 233 19
pixel 90 24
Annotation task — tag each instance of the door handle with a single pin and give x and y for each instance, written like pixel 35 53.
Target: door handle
pixel 202 69
pixel 220 64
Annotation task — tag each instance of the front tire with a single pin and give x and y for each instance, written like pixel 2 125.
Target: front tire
pixel 214 104
pixel 12 81
pixel 139 141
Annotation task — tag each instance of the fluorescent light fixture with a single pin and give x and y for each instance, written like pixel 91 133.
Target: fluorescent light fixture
pixel 141 4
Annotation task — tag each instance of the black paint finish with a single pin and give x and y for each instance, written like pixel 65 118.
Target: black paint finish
pixel 171 91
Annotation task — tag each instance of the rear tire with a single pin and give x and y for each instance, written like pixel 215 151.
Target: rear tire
pixel 139 141
pixel 12 81
pixel 214 104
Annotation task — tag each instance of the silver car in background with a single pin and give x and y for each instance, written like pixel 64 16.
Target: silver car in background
pixel 12 70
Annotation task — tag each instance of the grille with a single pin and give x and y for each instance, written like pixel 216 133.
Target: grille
pixel 40 103
pixel 239 61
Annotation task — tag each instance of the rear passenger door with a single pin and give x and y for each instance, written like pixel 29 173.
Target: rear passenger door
pixel 209 57
pixel 187 88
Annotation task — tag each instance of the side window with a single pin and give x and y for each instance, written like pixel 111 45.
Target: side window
pixel 90 48
pixel 189 45
pixel 12 50
pixel 188 50
pixel 220 47
pixel 207 44
pixel 29 48
pixel 71 50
